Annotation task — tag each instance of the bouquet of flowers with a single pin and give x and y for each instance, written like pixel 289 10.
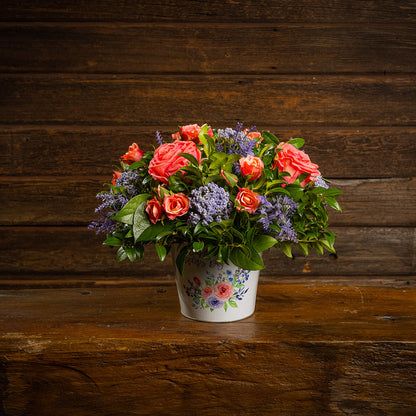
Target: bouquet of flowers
pixel 227 194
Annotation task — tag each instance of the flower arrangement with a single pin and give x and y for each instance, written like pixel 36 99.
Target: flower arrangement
pixel 228 194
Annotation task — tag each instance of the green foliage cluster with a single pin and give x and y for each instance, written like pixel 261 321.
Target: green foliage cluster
pixel 241 237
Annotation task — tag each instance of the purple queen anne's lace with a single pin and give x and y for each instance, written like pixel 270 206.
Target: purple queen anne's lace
pixel 278 211
pixel 208 204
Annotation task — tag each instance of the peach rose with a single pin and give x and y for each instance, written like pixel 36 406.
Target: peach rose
pixel 295 162
pixel 116 175
pixel 223 290
pixel 166 160
pixel 251 166
pixel 253 134
pixel 176 205
pixel 247 200
pixel 154 210
pixel 206 292
pixel 190 133
pixel 133 155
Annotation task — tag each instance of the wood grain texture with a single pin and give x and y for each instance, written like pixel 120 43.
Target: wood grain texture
pixel 216 48
pixel 72 201
pixel 306 11
pixel 363 152
pixel 80 281
pixel 151 100
pixel 76 250
pixel 129 351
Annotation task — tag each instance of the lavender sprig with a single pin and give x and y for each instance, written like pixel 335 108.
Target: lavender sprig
pixel 278 212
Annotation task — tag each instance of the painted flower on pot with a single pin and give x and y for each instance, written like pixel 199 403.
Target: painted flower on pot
pixel 220 290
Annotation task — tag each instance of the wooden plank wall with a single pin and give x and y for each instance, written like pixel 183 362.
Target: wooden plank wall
pixel 80 81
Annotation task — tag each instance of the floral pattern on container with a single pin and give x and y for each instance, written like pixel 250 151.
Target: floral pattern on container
pixel 222 289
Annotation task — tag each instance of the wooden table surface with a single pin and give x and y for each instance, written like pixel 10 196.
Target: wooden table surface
pixel 308 350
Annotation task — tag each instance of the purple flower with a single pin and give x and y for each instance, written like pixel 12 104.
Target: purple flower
pixel 208 204
pixel 278 212
pixel 236 141
pixel 111 205
pixel 214 303
pixel 130 180
pixel 319 182
pixel 159 138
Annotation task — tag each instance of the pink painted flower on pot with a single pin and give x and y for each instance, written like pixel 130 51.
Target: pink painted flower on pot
pixel 223 290
pixel 206 291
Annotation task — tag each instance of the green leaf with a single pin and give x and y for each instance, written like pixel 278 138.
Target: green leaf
pixel 126 214
pixel 302 177
pixel 161 251
pixel 233 303
pixel 197 246
pixel 318 247
pixel 152 232
pixel 202 133
pixel 231 179
pixel 332 202
pixel 140 221
pixel 263 242
pixel 269 137
pixel 131 253
pixel 112 241
pixel 298 142
pixel 304 248
pixel 190 157
pixel 180 259
pixel 121 254
pixel 217 160
pixel 225 306
pixel 287 249
pixel 248 262
pixel 327 246
pixel 330 237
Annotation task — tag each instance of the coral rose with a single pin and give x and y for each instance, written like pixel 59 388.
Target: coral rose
pixel 133 155
pixel 251 166
pixel 154 210
pixel 176 205
pixel 116 175
pixel 247 200
pixel 166 160
pixel 223 290
pixel 190 133
pixel 295 162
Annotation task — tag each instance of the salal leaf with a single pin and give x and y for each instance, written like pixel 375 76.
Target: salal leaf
pixel 263 242
pixel 126 214
pixel 240 258
pixel 298 142
pixel 332 202
pixel 269 137
pixel 131 253
pixel 121 254
pixel 191 158
pixel 140 221
pixel 161 251
pixel 287 249
pixel 112 241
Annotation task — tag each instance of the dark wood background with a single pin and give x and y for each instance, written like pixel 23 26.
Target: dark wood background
pixel 80 83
